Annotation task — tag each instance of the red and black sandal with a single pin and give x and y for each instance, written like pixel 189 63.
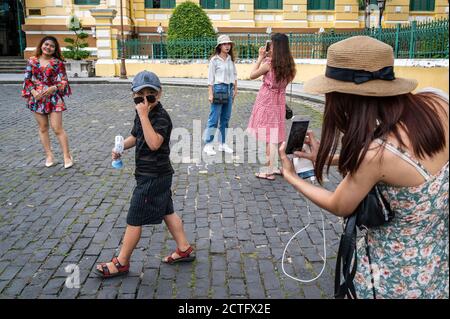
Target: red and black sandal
pixel 185 256
pixel 105 273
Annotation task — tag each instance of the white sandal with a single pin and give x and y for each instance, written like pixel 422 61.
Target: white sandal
pixel 70 164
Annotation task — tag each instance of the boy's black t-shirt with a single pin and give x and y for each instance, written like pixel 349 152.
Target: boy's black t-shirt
pixel 148 162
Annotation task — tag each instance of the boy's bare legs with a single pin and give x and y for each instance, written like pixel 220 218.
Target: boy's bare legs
pixel 42 121
pixel 175 226
pixel 130 240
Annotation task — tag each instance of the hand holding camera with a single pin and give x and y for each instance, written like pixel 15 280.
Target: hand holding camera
pixel 262 53
pixel 142 105
pixel 313 144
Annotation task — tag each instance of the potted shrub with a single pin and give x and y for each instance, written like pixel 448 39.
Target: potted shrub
pixel 75 54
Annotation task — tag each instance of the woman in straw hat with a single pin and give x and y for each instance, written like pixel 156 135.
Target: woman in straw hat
pixel 396 140
pixel 267 121
pixel 222 78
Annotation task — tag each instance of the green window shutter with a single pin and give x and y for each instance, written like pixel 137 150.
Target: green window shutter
pixel 320 5
pixel 167 4
pixel 163 4
pixel 261 4
pixel 268 4
pixel 215 4
pixel 87 2
pixel 421 5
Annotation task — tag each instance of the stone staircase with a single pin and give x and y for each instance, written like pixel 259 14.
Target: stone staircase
pixel 12 64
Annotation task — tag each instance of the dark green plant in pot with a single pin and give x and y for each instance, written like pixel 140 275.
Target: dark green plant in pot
pixel 187 39
pixel 75 46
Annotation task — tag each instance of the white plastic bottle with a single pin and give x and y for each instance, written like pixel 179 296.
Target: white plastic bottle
pixel 118 148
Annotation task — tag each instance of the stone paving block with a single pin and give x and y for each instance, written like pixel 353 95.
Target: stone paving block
pixel 10 272
pixel 164 289
pixel 145 292
pixel 130 286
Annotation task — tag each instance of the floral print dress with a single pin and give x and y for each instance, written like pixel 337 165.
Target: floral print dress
pixel 39 78
pixel 409 255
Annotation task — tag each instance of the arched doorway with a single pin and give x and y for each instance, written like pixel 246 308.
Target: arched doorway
pixel 12 38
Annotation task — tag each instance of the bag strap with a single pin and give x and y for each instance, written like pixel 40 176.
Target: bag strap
pixel 384 202
pixel 370 265
pixel 346 255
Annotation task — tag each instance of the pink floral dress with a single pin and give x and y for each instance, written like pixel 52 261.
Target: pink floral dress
pixel 39 78
pixel 267 121
pixel 409 255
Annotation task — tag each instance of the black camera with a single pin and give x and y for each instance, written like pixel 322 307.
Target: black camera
pixel 268 45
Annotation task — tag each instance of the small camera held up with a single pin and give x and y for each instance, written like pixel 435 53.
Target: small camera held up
pixel 268 42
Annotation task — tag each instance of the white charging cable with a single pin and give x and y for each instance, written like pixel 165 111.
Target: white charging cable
pixel 324 258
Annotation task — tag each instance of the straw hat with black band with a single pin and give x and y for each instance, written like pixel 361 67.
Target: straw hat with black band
pixel 360 65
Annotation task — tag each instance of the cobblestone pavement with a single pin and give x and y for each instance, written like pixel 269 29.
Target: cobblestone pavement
pixel 51 218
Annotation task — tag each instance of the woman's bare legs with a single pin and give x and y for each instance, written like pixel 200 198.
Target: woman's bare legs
pixel 56 123
pixel 42 120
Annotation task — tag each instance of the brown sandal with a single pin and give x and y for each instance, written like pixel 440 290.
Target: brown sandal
pixel 105 273
pixel 185 256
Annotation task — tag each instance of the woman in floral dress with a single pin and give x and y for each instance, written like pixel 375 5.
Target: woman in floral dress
pixel 396 140
pixel 44 86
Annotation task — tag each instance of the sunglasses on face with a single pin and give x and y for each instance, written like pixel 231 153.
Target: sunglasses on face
pixel 140 99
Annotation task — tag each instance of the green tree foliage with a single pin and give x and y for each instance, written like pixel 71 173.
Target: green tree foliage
pixel 188 23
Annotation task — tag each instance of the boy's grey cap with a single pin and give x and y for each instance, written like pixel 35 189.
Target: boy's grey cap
pixel 145 79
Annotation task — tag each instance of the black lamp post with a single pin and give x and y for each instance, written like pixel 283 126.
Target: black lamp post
pixel 123 70
pixel 381 6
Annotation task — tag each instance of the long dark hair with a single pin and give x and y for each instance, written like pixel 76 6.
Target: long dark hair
pixel 219 48
pixel 57 54
pixel 354 121
pixel 282 61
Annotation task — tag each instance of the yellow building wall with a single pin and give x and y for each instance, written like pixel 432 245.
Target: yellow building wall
pixel 346 13
pixel 241 14
pixel 427 76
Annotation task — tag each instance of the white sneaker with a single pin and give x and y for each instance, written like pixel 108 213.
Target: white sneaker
pixel 225 148
pixel 208 149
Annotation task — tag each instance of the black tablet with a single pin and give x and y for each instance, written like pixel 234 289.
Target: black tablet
pixel 297 136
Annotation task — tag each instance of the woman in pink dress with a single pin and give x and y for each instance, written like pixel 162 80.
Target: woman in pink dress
pixel 267 121
pixel 44 86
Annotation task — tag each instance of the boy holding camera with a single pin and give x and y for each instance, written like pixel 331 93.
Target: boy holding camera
pixel 151 202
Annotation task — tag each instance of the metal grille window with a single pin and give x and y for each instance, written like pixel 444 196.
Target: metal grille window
pixel 87 2
pixel 160 4
pixel 215 4
pixel 421 5
pixel 268 4
pixel 320 4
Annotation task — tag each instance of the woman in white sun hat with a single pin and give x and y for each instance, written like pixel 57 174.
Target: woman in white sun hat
pixel 222 89
pixel 397 141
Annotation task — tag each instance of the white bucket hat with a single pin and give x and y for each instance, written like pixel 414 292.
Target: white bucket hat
pixel 223 39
